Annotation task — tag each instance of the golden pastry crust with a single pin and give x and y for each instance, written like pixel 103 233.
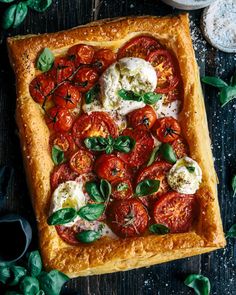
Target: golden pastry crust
pixel 108 255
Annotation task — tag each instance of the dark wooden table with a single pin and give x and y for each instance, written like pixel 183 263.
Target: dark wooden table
pixel 163 279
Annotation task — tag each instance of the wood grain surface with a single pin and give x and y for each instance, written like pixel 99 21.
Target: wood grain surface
pixel 161 279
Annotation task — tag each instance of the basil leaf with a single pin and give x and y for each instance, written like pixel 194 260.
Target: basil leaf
pixel 124 144
pixel 4 274
pixel 122 186
pixel 147 187
pixel 9 17
pixel 105 188
pixel 214 81
pixel 6 174
pixel 159 229
pixel 58 156
pixel 29 285
pixel 153 156
pixel 151 97
pixel 233 80
pixel 96 143
pixel 231 233
pixel 200 284
pixel 41 292
pixel 52 282
pixel 91 94
pixel 168 153
pixel 93 190
pixel 18 272
pixel 91 212
pixel 34 263
pixel 39 5
pixel 88 236
pixel 20 14
pixel 62 216
pixel 191 169
pixel 227 94
pixel 45 60
pixel 129 95
pixel 7 1
pixel 233 184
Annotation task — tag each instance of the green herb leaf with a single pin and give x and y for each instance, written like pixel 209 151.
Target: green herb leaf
pixel 91 95
pixel 91 212
pixel 147 187
pixel 18 272
pixel 88 236
pixel 105 189
pixel 29 285
pixel 227 94
pixel 62 216
pixel 151 97
pixel 34 263
pixel 124 144
pixel 191 169
pixel 93 190
pixel 233 183
pixel 168 153
pixel 199 283
pixel 20 14
pixel 41 292
pixel 6 1
pixel 129 95
pixel 159 229
pixel 214 81
pixel 39 5
pixel 4 274
pixel 9 17
pixel 231 233
pixel 58 156
pixel 153 156
pixel 45 60
pixel 233 80
pixel 52 282
pixel 122 186
pixel 96 143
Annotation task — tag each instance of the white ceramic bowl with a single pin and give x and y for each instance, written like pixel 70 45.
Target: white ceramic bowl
pixel 188 4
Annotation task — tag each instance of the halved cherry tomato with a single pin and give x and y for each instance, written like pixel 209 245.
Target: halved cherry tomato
pixel 94 124
pixel 62 173
pixel 67 95
pixel 145 117
pixel 59 119
pixel 82 162
pixel 68 233
pixel 41 87
pixel 103 58
pixel 143 147
pixel 110 167
pixel 85 78
pixel 167 74
pixel 127 218
pixel 176 211
pixel 166 129
pixel 64 141
pixel 121 189
pixel 62 70
pixel 81 54
pixel 159 172
pixel 180 147
pixel 140 46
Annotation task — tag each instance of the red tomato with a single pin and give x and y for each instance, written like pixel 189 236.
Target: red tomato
pixel 59 119
pixel 159 172
pixel 94 124
pixel 85 78
pixel 143 147
pixel 62 173
pixel 67 95
pixel 68 234
pixel 127 218
pixel 167 74
pixel 62 69
pixel 180 147
pixel 103 58
pixel 139 46
pixel 82 162
pixel 64 141
pixel 121 189
pixel 110 167
pixel 81 54
pixel 167 129
pixel 41 87
pixel 145 117
pixel 176 211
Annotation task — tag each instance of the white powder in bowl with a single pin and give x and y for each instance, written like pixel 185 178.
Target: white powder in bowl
pixel 188 4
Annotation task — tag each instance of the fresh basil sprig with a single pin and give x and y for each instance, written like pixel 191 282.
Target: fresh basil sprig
pixel 98 192
pixel 168 153
pixel 39 5
pixel 148 98
pixel 91 212
pixel 200 284
pixel 62 216
pixel 231 233
pixel 159 229
pixel 88 236
pixel 45 60
pixel 91 95
pixel 58 156
pixel 147 187
pixel 233 184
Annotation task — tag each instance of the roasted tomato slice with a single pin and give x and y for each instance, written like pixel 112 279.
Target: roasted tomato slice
pixel 110 167
pixel 143 147
pixel 62 173
pixel 62 70
pixel 59 119
pixel 103 58
pixel 180 147
pixel 82 162
pixel 41 87
pixel 127 218
pixel 121 189
pixel 166 129
pixel 64 141
pixel 67 95
pixel 140 46
pixel 68 234
pixel 166 69
pixel 176 211
pixel 81 54
pixel 94 124
pixel 145 117
pixel 156 171
pixel 85 78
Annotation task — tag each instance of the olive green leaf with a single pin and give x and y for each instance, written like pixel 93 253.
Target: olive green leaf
pixel 231 233
pixel 17 272
pixel 227 94
pixel 91 212
pixel 88 236
pixel 4 274
pixel 91 95
pixel 233 184
pixel 153 156
pixel 200 284
pixel 39 5
pixel 147 187
pixel 58 155
pixel 62 216
pixel 52 282
pixel 34 263
pixel 45 60
pixel 168 153
pixel 159 229
pixel 93 190
pixel 29 285
pixel 214 81
pixel 151 97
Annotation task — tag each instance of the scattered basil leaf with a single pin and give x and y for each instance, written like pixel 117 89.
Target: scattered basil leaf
pixel 96 143
pixel 9 17
pixel 168 153
pixel 39 5
pixel 233 184
pixel 41 292
pixel 20 14
pixel 214 81
pixel 62 216
pixel 199 283
pixel 105 189
pixel 191 169
pixel 124 144
pixel 52 282
pixel 91 212
pixel 159 229
pixel 151 97
pixel 92 94
pixel 153 156
pixel 18 272
pixel 34 263
pixel 58 156
pixel 45 60
pixel 93 190
pixel 4 274
pixel 6 1
pixel 29 285
pixel 122 186
pixel 6 174
pixel 233 80
pixel 129 95
pixel 231 233
pixel 227 94
pixel 147 187
pixel 88 236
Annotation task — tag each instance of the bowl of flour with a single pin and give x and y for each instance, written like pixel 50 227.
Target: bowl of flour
pixel 188 4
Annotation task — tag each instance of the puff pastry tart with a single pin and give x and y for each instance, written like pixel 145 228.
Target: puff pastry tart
pixel 115 143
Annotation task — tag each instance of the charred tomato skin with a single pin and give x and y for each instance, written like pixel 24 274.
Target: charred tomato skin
pixel 145 117
pixel 85 78
pixel 67 96
pixel 41 87
pixel 166 129
pixel 59 119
